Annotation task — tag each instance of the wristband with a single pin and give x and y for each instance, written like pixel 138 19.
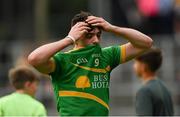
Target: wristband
pixel 72 38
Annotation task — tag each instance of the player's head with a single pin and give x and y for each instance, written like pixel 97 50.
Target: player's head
pixel 93 35
pixel 24 78
pixel 150 61
pixel 80 17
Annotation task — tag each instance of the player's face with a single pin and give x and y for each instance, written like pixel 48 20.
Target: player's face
pixel 92 37
pixel 138 68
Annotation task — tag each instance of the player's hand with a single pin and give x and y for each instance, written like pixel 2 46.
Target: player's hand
pixel 79 30
pixel 100 22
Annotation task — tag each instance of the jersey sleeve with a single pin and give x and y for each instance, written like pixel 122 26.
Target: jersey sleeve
pixel 58 59
pixel 144 103
pixel 115 54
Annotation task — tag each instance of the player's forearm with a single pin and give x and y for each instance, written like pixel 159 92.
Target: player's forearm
pixel 44 53
pixel 136 38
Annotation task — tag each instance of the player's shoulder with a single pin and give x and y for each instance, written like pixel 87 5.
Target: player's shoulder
pixel 106 48
pixel 111 47
pixel 110 50
pixel 59 53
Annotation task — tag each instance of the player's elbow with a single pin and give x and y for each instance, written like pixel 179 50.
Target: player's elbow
pixel 32 60
pixel 149 43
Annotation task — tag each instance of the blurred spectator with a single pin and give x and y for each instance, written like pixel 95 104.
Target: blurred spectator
pixel 157 16
pixel 122 13
pixel 177 21
pixel 119 12
pixel 44 86
pixel 21 102
pixel 153 98
pixel 5 61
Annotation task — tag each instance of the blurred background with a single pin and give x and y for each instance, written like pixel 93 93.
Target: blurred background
pixel 27 24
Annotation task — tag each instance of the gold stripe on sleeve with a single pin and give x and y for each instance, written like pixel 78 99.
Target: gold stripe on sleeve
pixel 123 53
pixel 53 65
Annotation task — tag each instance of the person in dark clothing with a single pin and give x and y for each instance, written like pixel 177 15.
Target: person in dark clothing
pixel 153 98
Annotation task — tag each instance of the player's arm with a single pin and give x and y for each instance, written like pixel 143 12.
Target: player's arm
pixel 138 42
pixel 41 58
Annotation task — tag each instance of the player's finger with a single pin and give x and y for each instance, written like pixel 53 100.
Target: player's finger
pixel 85 31
pixel 94 21
pixel 80 24
pixel 96 24
pixel 91 18
pixel 84 28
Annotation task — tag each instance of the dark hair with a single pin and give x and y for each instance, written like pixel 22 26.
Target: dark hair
pixel 20 75
pixel 81 17
pixel 152 58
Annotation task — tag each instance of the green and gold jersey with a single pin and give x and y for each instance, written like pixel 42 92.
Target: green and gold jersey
pixel 81 79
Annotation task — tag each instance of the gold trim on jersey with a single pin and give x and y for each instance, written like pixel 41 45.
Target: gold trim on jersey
pixel 53 64
pixel 83 95
pixel 123 53
pixel 98 70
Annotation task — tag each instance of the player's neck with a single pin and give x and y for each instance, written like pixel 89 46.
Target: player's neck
pixel 78 46
pixel 148 76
